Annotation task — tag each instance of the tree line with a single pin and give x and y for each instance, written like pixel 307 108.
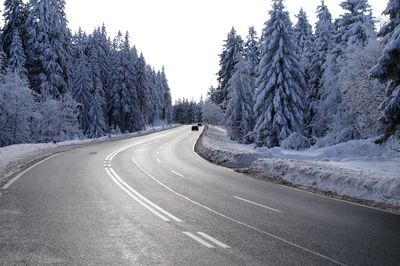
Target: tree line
pixel 295 87
pixel 55 85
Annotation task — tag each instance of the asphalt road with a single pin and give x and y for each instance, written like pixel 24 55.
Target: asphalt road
pixel 152 201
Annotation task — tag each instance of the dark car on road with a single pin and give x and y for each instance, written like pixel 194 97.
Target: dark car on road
pixel 200 124
pixel 195 128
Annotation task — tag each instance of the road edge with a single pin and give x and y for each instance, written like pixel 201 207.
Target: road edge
pixel 202 151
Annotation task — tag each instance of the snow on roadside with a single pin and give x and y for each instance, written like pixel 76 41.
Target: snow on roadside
pixel 16 157
pixel 358 169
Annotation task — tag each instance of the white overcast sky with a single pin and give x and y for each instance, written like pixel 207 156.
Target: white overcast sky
pixel 186 36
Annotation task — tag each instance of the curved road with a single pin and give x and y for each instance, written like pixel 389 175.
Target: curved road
pixel 152 201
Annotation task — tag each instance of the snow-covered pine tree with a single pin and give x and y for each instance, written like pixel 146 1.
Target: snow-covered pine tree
pixel 49 44
pixel 303 36
pixel 280 97
pixel 388 70
pixel 15 15
pixel 239 112
pixel 232 46
pixel 323 44
pixel 16 58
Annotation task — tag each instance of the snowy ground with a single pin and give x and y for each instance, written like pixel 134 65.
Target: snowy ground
pixel 356 169
pixel 16 157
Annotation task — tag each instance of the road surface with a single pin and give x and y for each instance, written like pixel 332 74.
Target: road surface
pixel 152 200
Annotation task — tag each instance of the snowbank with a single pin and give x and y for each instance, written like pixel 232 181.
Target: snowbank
pixel 16 157
pixel 356 169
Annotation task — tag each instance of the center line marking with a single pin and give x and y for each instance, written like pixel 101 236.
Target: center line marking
pixel 257 204
pixel 215 241
pixel 198 239
pixel 178 174
pixel 141 197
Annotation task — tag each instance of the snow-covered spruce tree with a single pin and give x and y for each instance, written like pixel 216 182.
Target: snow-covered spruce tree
pixel 212 94
pixel 137 120
pixel 96 115
pixel 166 110
pixel 281 93
pixel 120 89
pixel 48 44
pixel 239 112
pixel 16 58
pixel 356 24
pixel 156 98
pixel 232 46
pixel 97 125
pixel 323 44
pixel 388 70
pixel 98 42
pixel 142 85
pixel 15 15
pixel 252 51
pixel 303 36
pixel 82 88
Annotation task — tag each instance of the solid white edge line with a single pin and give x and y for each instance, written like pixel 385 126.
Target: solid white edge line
pixel 257 204
pixel 134 197
pixel 237 221
pixel 198 239
pixel 178 174
pixel 144 198
pixel 215 241
pixel 12 181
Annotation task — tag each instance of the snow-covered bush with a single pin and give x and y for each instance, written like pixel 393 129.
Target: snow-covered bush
pixel 296 142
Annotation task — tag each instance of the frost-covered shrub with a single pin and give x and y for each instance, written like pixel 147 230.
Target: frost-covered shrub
pixel 295 142
pixel 212 114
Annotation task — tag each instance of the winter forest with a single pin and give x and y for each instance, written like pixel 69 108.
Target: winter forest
pixel 296 85
pixel 57 86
